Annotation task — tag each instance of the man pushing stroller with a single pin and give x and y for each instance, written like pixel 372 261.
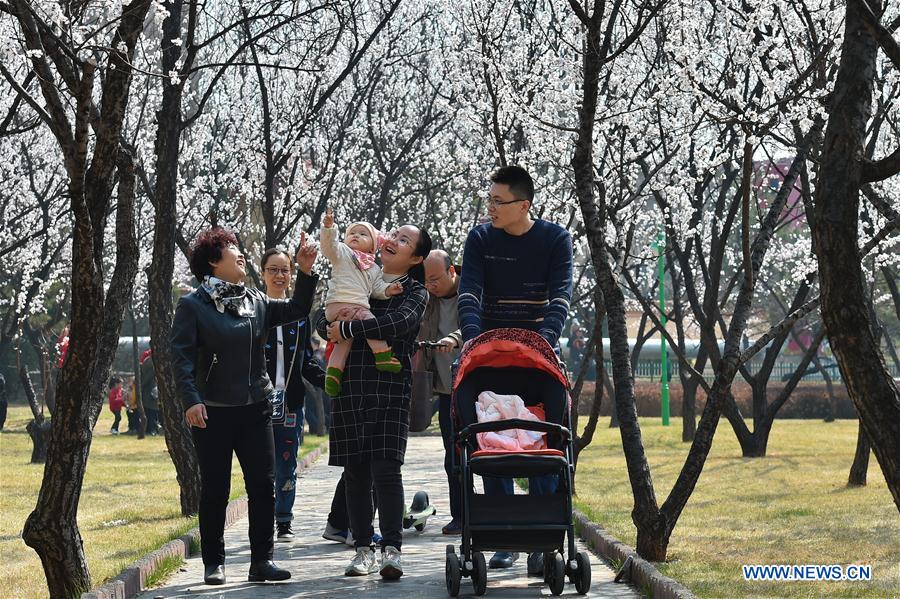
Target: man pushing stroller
pixel 517 274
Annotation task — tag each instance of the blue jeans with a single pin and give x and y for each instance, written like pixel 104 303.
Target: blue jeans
pixel 288 438
pixel 537 485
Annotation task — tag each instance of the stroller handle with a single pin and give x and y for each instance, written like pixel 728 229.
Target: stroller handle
pixel 502 425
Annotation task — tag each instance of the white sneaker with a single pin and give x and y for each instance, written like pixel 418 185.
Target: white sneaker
pixel 363 563
pixel 391 568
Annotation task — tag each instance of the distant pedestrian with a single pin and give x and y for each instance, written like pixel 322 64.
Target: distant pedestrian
pixel 3 402
pixel 149 392
pixel 116 402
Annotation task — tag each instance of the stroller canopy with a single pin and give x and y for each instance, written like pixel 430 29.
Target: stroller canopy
pixel 500 348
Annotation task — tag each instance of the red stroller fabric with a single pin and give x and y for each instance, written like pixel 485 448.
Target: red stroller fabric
pixel 510 347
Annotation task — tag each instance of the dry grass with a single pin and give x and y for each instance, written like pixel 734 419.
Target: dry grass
pixel 792 507
pixel 129 502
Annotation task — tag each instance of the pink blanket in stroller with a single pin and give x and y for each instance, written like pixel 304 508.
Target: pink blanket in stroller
pixel 492 406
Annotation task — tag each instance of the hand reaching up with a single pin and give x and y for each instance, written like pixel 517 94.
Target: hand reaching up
pixel 329 218
pixel 306 254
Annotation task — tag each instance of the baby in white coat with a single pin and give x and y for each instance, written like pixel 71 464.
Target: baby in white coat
pixel 355 277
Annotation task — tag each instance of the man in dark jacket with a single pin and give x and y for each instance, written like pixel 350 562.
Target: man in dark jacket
pixel 293 341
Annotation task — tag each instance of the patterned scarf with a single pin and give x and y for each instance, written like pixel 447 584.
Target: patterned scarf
pixel 364 260
pixel 228 296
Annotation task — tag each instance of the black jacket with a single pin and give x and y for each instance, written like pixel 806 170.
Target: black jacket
pixel 220 357
pixel 297 347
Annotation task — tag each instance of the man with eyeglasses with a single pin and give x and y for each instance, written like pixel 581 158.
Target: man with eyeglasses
pixel 441 323
pixel 518 274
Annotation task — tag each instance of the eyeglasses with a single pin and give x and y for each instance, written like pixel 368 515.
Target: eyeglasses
pixel 399 240
pixel 493 203
pixel 278 271
pixel 435 280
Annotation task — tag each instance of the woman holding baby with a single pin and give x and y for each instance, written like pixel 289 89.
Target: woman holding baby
pixel 371 377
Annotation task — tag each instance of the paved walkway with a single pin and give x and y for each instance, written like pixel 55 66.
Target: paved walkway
pixel 318 565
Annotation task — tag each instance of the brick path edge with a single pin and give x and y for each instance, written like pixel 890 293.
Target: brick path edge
pixel 644 575
pixel 130 581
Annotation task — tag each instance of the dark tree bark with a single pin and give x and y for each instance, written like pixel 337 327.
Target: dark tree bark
pixel 860 467
pixel 39 428
pixel 159 276
pixel 96 315
pixel 844 302
pixel 594 347
pixel 651 541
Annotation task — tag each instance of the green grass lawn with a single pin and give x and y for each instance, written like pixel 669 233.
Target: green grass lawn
pixel 129 504
pixel 792 507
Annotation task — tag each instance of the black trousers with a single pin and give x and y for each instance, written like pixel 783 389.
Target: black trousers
pixel 358 479
pixel 247 432
pixel 338 516
pixel 152 420
pixel 117 417
pixel 452 479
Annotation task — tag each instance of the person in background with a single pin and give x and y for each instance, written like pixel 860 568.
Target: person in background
pixel 441 323
pixel 576 345
pixel 116 402
pixel 288 362
pixel 131 408
pixel 149 392
pixel 3 401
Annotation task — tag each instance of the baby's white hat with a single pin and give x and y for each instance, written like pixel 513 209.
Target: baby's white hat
pixel 373 232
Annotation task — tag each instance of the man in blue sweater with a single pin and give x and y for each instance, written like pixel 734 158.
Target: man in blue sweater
pixel 517 272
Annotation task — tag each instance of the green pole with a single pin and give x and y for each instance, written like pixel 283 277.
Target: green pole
pixel 663 353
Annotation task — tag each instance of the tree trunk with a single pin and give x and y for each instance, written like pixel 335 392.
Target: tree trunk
pixel 52 528
pixel 97 310
pixel 844 305
pixel 159 280
pixel 39 427
pixel 595 347
pixel 688 409
pixel 860 467
pixel 645 513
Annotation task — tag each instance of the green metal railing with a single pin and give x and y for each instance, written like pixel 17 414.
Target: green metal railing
pixel 782 371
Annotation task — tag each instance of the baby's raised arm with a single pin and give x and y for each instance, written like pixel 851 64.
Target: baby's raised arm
pixel 328 236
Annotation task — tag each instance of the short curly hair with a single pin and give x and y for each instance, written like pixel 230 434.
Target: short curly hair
pixel 207 247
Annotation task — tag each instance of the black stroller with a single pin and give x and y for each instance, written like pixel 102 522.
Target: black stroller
pixel 515 362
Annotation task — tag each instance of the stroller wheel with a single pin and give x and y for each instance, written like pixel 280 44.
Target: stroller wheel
pixel 479 573
pixel 420 527
pixel 548 566
pixel 583 575
pixel 452 572
pixel 557 573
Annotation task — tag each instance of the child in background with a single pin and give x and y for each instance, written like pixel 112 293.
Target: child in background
pixel 355 277
pixel 131 408
pixel 116 401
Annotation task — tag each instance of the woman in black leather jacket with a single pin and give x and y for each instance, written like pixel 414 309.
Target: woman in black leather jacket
pixel 218 337
pixel 289 360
